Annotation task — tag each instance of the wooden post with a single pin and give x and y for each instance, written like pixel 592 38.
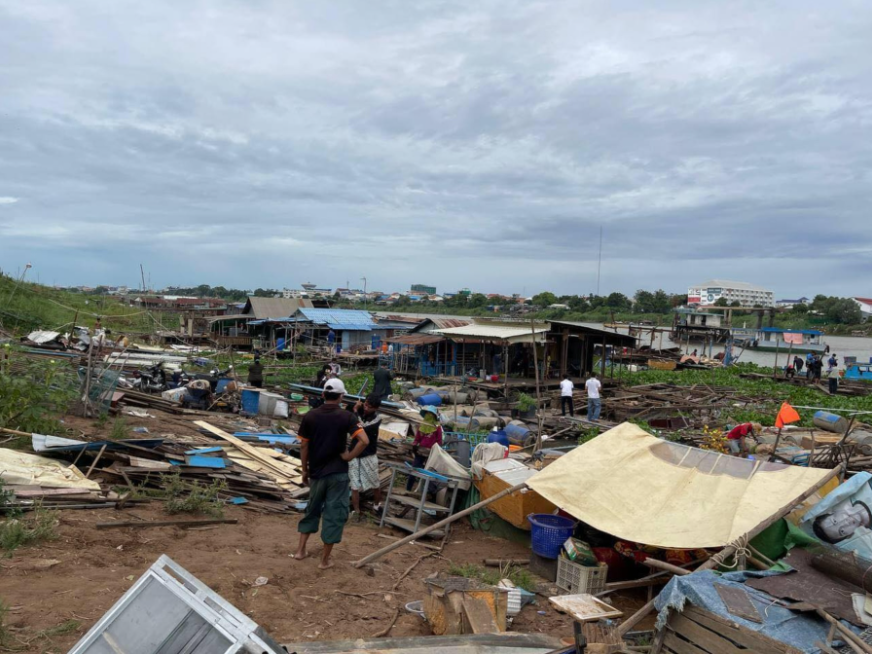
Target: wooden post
pixel 447 521
pixel 775 366
pixel 603 360
pixel 538 397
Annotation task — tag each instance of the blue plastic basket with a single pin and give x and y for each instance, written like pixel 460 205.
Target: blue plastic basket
pixel 548 533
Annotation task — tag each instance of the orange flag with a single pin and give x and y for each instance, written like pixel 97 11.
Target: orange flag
pixel 786 415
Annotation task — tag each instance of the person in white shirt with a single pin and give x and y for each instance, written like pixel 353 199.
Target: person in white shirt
pixel 566 388
pixel 593 387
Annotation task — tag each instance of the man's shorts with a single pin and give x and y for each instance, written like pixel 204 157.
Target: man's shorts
pixel 363 473
pixel 735 446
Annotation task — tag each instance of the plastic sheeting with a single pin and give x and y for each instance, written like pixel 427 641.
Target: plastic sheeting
pixel 643 489
pixel 440 461
pixel 23 469
pixel 800 630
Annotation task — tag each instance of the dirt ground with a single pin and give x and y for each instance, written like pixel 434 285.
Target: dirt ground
pixel 67 584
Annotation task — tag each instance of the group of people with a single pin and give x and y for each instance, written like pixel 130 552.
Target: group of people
pixel 339 458
pixel 814 365
pixel 593 386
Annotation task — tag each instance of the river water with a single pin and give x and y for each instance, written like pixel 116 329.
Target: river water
pixel 856 346
pixel 851 346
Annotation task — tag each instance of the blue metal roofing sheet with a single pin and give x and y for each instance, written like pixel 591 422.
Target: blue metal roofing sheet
pixel 344 319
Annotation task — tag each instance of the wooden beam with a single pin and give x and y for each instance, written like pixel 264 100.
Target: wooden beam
pixel 164 523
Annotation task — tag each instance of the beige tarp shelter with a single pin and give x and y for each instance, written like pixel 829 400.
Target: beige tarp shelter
pixel 640 488
pixel 23 469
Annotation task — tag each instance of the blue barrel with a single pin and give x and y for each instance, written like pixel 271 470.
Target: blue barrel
pixel 250 401
pixel 516 433
pixel 498 437
pixel 221 385
pixel 431 399
pixel 830 422
pixel 280 344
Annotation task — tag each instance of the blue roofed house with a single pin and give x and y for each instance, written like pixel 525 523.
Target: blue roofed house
pixel 354 329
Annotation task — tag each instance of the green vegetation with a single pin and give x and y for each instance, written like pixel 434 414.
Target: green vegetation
pixel 521 577
pixel 767 393
pixel 26 306
pixel 120 430
pixel 526 403
pixel 34 396
pixel 185 497
pixel 4 631
pixel 18 531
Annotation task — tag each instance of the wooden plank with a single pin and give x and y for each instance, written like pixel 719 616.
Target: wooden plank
pixel 738 603
pixel 744 637
pixel 242 446
pixel 50 492
pixel 678 645
pixel 164 523
pixel 477 617
pixel 710 641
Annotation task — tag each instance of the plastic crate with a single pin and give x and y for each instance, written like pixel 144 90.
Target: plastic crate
pixel 576 578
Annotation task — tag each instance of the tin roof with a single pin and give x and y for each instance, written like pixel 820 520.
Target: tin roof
pixel 494 332
pixel 344 319
pixel 273 307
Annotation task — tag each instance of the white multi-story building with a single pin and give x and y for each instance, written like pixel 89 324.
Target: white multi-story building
pixel 865 304
pixel 289 293
pixel 748 295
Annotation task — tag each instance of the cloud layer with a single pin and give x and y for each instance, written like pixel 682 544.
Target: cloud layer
pixel 482 144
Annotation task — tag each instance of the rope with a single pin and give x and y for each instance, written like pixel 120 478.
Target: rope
pixel 742 552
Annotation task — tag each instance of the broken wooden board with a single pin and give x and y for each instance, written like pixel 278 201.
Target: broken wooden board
pixel 584 607
pixel 477 617
pixel 738 603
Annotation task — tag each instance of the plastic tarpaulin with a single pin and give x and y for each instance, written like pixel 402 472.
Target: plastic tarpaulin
pixel 440 461
pixel 23 469
pixel 799 630
pixel 640 488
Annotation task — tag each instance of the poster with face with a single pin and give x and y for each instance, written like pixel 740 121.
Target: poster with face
pixel 844 517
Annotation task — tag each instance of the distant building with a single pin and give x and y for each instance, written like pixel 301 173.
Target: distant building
pixel 789 304
pixel 748 295
pixel 293 294
pixel 865 306
pixel 423 288
pixel 465 292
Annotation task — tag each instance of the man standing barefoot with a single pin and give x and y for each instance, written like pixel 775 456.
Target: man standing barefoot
pixel 324 456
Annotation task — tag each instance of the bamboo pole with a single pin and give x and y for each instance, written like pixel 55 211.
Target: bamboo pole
pixel 447 521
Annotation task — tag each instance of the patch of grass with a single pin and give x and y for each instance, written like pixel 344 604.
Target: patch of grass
pixel 521 577
pixel 186 497
pixel 62 629
pixel 120 430
pixel 18 532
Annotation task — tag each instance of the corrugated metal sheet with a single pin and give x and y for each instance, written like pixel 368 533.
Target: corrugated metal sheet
pixel 274 307
pixel 610 336
pixel 450 323
pixel 492 332
pixel 344 319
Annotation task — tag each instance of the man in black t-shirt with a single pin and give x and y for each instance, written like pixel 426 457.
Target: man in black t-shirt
pixel 324 455
pixel 382 377
pixel 363 471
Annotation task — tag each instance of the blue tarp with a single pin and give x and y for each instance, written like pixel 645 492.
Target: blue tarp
pixel 800 630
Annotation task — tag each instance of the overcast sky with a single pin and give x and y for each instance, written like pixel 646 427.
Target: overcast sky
pixel 481 144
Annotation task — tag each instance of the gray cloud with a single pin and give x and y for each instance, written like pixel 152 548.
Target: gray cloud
pixel 264 143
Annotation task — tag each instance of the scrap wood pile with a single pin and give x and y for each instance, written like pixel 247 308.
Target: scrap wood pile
pixel 655 400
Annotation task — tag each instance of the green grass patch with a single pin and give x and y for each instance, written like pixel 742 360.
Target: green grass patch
pixel 120 430
pixel 20 531
pixel 188 497
pixel 521 577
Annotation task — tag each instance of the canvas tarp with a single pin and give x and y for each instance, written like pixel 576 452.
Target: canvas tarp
pixel 637 487
pixel 23 469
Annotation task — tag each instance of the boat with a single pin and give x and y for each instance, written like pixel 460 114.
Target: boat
pixel 858 372
pixel 502 474
pixel 772 339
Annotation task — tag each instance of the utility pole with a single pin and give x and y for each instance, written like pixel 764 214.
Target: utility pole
pixel 364 292
pixel 599 264
pixel 20 279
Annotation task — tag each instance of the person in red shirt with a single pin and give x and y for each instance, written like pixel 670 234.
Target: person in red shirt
pixel 429 434
pixel 736 437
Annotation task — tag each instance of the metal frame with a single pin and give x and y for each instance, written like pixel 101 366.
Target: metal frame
pixel 427 476
pixel 243 633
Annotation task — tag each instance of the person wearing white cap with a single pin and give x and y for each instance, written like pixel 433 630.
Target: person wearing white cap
pixel 324 456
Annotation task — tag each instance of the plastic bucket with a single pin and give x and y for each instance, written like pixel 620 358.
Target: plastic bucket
pixel 548 533
pixel 431 399
pixel 250 401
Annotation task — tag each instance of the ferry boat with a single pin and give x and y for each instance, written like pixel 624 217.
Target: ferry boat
pixel 771 339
